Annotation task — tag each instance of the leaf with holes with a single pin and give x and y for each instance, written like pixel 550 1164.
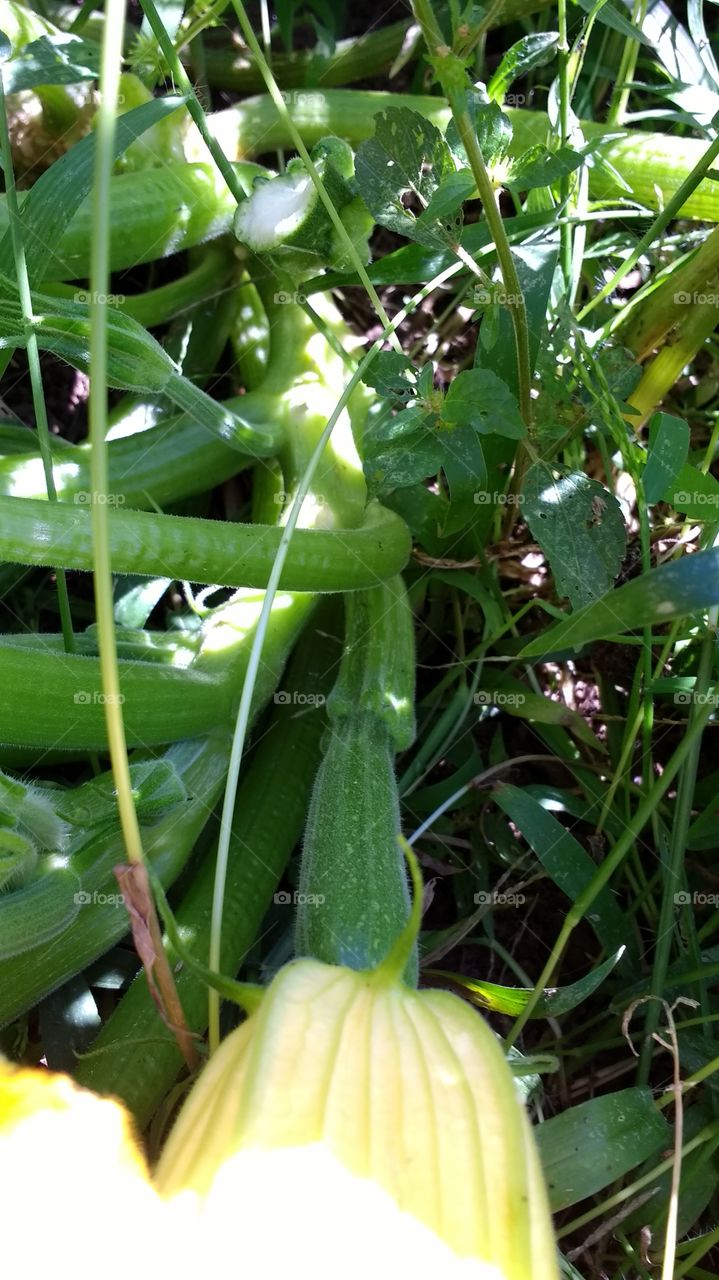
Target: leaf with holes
pixel 407 157
pixel 580 528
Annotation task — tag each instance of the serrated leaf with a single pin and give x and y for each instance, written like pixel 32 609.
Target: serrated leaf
pixel 406 156
pixel 493 129
pixel 392 375
pixel 668 449
pixel 59 59
pixel 478 398
pixel 580 528
pixel 531 51
pixel 540 167
pixel 404 450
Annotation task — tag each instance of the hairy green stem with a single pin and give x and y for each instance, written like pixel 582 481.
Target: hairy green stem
pixel 206 551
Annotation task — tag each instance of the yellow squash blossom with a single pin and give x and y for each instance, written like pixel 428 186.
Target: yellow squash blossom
pixel 351 1125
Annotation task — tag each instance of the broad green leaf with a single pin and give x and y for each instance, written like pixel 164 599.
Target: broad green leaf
pixel 589 1146
pixel 512 1000
pixel 695 494
pixel 450 195
pixel 406 157
pixel 531 51
pixel 60 59
pixel 49 206
pixel 401 450
pixel 668 449
pixel 672 591
pixel 493 129
pixel 565 862
pixel 392 375
pixel 540 167
pixel 580 528
pixel 479 399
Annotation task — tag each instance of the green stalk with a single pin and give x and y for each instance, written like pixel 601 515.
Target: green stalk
pixel 99 923
pixel 620 96
pixel 153 213
pixel 205 551
pixel 673 870
pixel 100 543
pixel 635 826
pixel 517 308
pixel 351 60
pixel 662 302
pixel 194 105
pixel 159 971
pixel 674 206
pixel 33 354
pixel 565 95
pixel 651 163
pixel 661 373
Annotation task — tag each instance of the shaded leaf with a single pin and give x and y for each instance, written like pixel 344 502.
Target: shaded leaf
pixel 580 528
pixel 589 1146
pixel 478 398
pixel 565 862
pixel 58 59
pixel 672 591
pixel 668 449
pixel 694 493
